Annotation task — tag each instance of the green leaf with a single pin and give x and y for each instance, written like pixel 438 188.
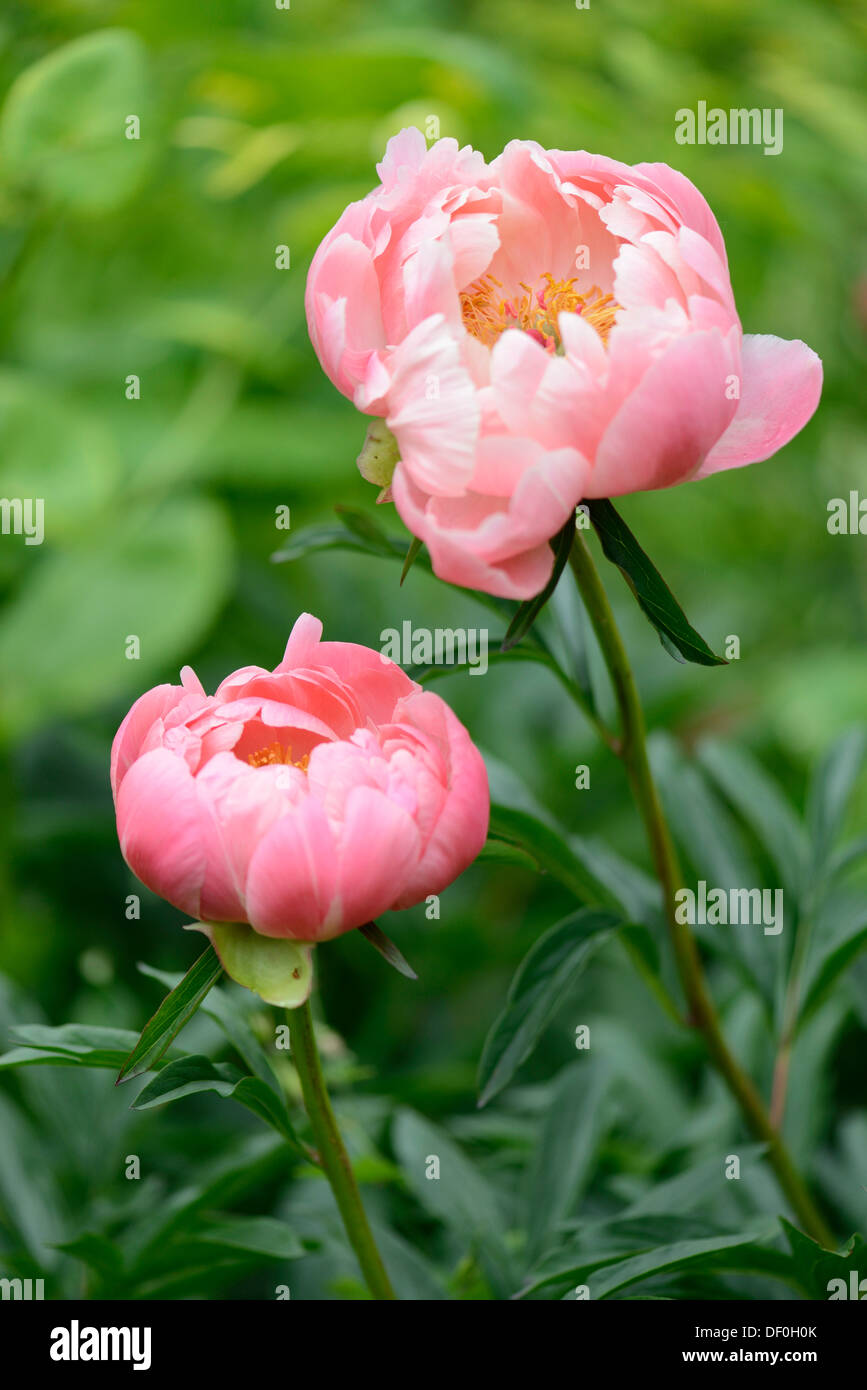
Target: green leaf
pixel 223 1010
pixel 715 845
pixel 172 1015
pixel 415 546
pixel 496 851
pixel 762 805
pixel 361 534
pixel 362 525
pixel 831 953
pixel 256 1161
pixel 387 949
pixel 194 1074
pixel 62 128
pixel 98 1253
pixel 549 850
pixel 72 1044
pixel 543 977
pixel 689 1189
pixel 608 1271
pixel 517 819
pixel 529 611
pixel 740 1252
pixel 257 1235
pixel 572 1129
pixel 830 792
pixel 313 539
pixel 655 599
pixel 817 1267
pixel 31 1201
pixel 461 1197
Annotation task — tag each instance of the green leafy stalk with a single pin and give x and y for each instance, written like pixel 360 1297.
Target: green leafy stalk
pixel 332 1152
pixel 702 1011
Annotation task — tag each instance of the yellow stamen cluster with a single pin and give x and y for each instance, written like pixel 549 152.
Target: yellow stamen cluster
pixel 487 312
pixel 276 753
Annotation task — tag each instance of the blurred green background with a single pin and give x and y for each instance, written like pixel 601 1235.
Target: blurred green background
pixel 156 258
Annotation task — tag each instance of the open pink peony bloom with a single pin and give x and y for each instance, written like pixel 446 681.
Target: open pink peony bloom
pixel 305 800
pixel 550 327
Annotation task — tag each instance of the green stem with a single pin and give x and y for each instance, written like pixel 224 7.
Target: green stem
pixel 332 1151
pixel 789 1028
pixel 702 1011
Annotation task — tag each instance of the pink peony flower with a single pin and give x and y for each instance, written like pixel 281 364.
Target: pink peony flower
pixel 550 327
pixel 303 801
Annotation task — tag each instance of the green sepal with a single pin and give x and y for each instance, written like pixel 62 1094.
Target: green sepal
pixel 280 971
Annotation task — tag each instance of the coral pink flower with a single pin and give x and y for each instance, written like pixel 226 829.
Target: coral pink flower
pixel 305 800
pixel 550 327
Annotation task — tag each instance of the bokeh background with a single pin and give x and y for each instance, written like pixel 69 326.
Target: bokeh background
pixel 156 258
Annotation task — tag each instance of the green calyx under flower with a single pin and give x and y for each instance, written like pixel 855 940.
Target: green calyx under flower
pixel 280 971
pixel 379 457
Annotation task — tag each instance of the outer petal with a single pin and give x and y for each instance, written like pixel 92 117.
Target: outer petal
pixel 292 878
pixel 159 824
pixel 343 310
pixel 379 847
pixel 154 705
pixel 462 826
pixel 781 383
pixel 669 422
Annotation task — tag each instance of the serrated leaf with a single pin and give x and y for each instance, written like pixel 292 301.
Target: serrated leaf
pixel 816 1266
pixel 173 1014
pixel 542 979
pixel 655 599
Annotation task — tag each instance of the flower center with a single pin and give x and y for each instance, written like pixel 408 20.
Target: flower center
pixel 276 753
pixel 487 314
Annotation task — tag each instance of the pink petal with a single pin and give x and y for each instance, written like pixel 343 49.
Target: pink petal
pixel 379 843
pixel 462 826
pixel 781 382
pixel 292 878
pixel 433 411
pixel 669 422
pixel 159 825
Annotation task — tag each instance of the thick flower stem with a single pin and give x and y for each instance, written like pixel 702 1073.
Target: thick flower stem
pixel 332 1152
pixel 702 1011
